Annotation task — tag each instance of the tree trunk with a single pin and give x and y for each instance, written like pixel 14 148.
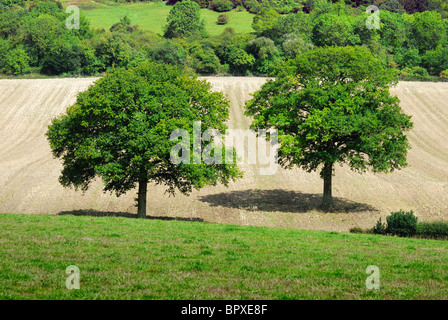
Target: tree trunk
pixel 142 190
pixel 327 175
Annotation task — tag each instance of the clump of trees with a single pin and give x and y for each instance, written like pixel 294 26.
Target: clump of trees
pixel 412 38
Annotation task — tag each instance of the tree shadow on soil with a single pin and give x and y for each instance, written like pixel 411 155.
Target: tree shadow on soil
pixel 281 200
pixel 96 213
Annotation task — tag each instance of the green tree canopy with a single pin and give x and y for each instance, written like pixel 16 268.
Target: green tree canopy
pixel 334 30
pixel 392 6
pixel 427 31
pixel 265 19
pixel 333 105
pixel 265 53
pixel 294 23
pixel 392 29
pixel 295 45
pixel 184 19
pixel 13 60
pixel 120 128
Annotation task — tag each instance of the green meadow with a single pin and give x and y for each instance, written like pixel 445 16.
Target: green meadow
pixel 151 16
pixel 128 258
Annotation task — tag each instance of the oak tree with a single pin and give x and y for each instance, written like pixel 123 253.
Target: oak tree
pixel 333 105
pixel 120 130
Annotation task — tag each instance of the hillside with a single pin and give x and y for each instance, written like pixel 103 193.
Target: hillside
pixel 29 175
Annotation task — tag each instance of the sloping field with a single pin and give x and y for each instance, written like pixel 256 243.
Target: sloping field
pixel 29 174
pixel 151 16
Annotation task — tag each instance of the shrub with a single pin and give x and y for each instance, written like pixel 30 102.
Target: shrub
pixel 435 61
pixel 264 20
pixel 204 60
pixel 13 60
pixel 239 8
pixel 379 228
pixel 63 58
pixel 406 72
pixel 168 52
pixel 221 5
pixel 253 6
pixel 361 230
pixel 240 61
pixel 393 6
pixel 420 73
pixel 408 57
pixel 444 74
pixel 265 53
pixel 416 73
pixel 436 229
pixel 237 3
pixel 223 19
pixel 295 45
pixel 356 230
pixel 403 224
pixel 203 3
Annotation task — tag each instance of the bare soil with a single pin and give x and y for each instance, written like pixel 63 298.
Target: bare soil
pixel 290 198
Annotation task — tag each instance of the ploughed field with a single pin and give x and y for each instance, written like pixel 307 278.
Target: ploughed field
pixel 289 198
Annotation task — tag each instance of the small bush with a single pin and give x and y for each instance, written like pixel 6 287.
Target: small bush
pixel 420 73
pixel 379 228
pixel 223 19
pixel 406 72
pixel 403 224
pixel 444 74
pixel 356 230
pixel 436 229
pixel 361 230
pixel 15 61
pixel 253 6
pixel 203 3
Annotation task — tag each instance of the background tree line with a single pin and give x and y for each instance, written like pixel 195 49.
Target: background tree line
pixel 413 37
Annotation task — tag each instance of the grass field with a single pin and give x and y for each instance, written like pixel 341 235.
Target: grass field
pixel 152 16
pixel 126 258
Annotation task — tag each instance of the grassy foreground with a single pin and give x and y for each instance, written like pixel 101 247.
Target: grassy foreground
pixel 151 16
pixel 125 258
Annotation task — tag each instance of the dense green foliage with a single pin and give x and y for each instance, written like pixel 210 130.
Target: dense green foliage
pixel 380 227
pixel 333 105
pixel 221 5
pixel 119 129
pixel 402 223
pixel 406 224
pixel 413 37
pixel 223 19
pixel 434 230
pixel 184 20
